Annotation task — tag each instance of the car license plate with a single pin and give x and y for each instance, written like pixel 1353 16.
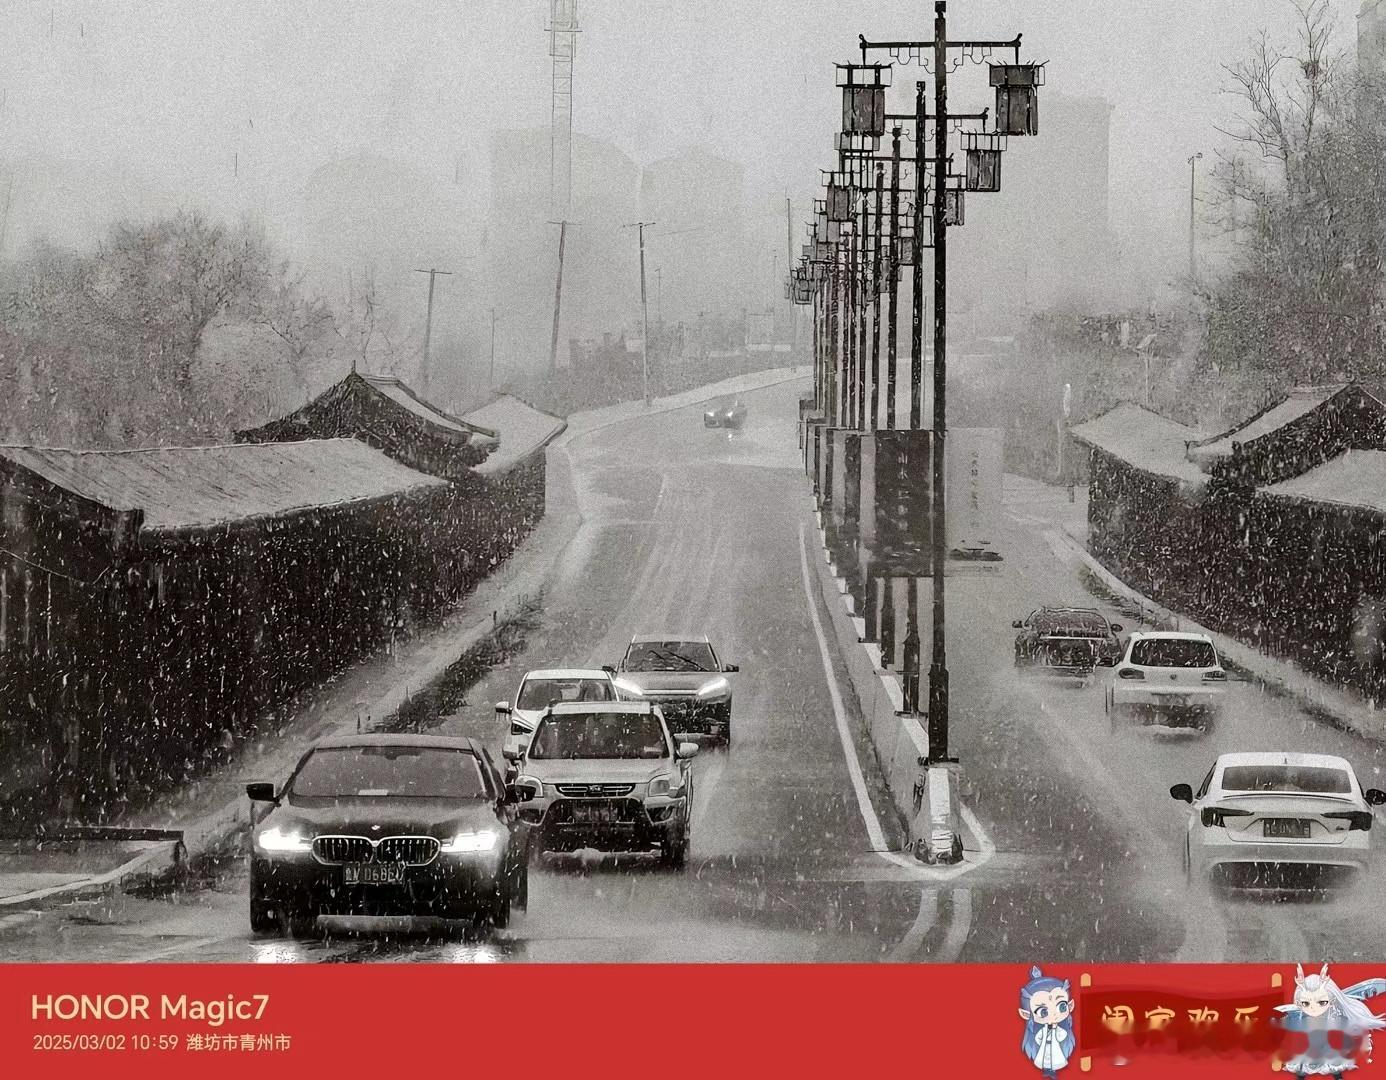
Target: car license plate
pixel 593 815
pixel 1286 828
pixel 373 873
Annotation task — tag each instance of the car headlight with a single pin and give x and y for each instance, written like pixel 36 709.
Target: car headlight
pixel 660 785
pixel 714 688
pixel 469 843
pixel 276 839
pixel 628 687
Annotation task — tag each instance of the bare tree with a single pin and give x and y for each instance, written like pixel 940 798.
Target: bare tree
pixel 1299 190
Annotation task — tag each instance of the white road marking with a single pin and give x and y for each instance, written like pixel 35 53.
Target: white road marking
pixel 868 812
pixel 705 782
pixel 959 927
pixel 908 945
pixel 1205 931
pixel 183 946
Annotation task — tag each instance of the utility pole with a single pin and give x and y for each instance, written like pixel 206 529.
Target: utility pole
pixel 557 295
pixel 644 315
pixel 1193 260
pixel 428 326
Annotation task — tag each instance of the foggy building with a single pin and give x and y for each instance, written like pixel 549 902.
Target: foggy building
pixel 1371 38
pixel 601 283
pixel 699 241
pixel 1044 240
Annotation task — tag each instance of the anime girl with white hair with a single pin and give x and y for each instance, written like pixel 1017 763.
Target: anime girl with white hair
pixel 1321 1007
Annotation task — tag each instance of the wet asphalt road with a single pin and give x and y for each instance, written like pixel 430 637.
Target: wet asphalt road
pixel 693 529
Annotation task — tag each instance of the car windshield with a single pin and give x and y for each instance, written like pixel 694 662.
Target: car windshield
pixel 418 772
pixel 1071 624
pixel 1173 653
pixel 599 735
pixel 541 693
pixel 670 656
pixel 1310 779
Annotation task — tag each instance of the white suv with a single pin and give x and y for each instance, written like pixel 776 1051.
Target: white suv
pixel 1167 678
pixel 607 776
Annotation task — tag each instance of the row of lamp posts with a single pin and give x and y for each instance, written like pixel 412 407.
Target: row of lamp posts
pixel 877 475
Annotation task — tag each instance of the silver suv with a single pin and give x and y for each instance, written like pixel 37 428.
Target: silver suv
pixel 607 776
pixel 684 677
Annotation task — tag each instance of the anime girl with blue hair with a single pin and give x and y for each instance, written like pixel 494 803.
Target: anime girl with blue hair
pixel 1047 1009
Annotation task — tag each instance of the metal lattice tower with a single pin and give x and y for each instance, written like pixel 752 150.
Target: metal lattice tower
pixel 563 29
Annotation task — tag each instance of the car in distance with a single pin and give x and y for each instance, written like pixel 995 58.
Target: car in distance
pixel 684 677
pixel 1068 641
pixel 388 825
pixel 725 414
pixel 1169 678
pixel 549 686
pixel 1269 820
pixel 609 777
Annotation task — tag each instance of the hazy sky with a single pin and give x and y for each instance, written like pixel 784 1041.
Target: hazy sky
pixel 163 93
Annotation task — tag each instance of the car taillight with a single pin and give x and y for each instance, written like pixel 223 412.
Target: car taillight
pixel 1358 820
pixel 1214 817
pixel 1130 673
pixel 1216 675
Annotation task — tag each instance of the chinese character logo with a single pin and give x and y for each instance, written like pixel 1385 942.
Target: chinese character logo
pixel 1047 1009
pixel 1336 1023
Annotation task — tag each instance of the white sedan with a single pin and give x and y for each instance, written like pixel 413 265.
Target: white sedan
pixel 1272 819
pixel 550 686
pixel 1168 678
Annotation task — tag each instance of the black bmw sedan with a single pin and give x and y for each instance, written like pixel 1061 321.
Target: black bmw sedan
pixel 387 825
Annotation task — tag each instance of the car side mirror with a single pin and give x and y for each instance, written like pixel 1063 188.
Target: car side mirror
pixel 1017 624
pixel 731 667
pixel 1182 792
pixel 514 794
pixel 1117 628
pixel 688 750
pixel 503 707
pixel 510 753
pixel 609 669
pixel 260 791
pixel 1374 796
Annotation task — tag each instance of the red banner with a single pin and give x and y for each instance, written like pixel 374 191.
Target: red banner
pixel 211 1021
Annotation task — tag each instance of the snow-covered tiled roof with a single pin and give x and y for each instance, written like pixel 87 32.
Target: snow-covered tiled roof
pixel 521 428
pixel 401 395
pixel 1144 439
pixel 1356 478
pixel 1300 402
pixel 203 486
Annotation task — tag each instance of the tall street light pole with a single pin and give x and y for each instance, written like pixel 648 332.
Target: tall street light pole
pixel 938 666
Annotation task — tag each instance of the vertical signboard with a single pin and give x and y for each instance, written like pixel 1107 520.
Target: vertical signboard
pixel 974 471
pixel 901 497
